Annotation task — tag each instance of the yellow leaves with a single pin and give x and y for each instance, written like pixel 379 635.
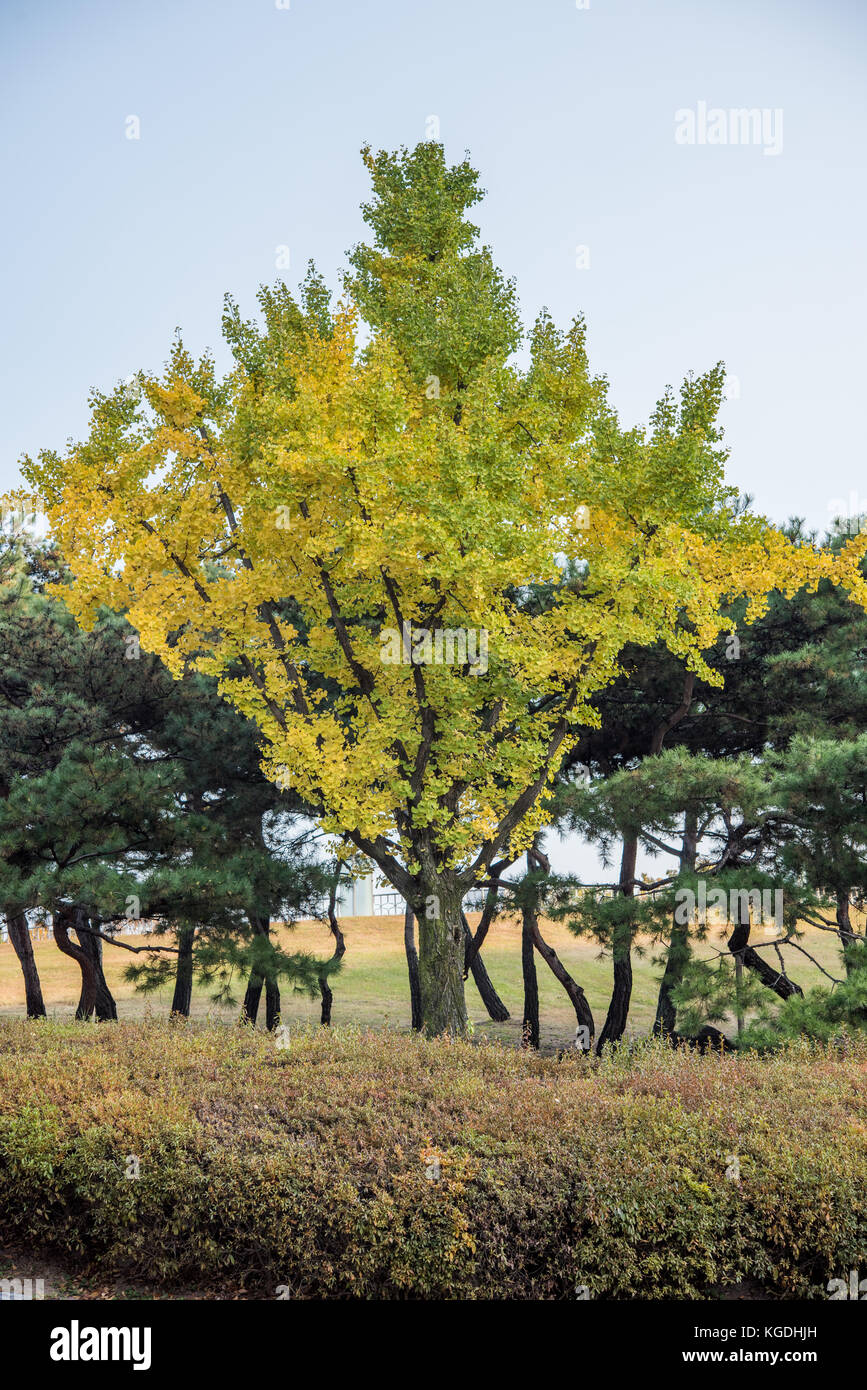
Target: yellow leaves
pixel 273 541
pixel 178 404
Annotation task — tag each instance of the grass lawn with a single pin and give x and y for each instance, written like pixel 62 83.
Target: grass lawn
pixel 372 989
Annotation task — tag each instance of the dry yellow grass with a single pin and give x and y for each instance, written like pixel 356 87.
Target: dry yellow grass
pixel 372 988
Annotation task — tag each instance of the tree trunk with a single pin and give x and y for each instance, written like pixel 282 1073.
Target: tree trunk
pixel 22 945
pixel 678 949
pixel 66 917
pixel 583 1012
pixel 441 954
pixel 621 995
pixel 775 980
pixel 739 993
pixel 412 966
pixel 847 934
pixel 272 1004
pixel 184 975
pixel 665 1022
pixel 252 999
pixel 339 952
pixel 261 925
pixel 260 921
pixel 106 1008
pixel 490 998
pixel 530 1023
pixel 537 859
pixel 489 912
pixel 327 994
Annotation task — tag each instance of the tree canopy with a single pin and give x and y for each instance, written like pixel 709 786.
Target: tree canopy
pixel 347 535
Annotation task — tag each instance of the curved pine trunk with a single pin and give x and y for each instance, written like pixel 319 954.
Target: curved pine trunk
pixel 339 951
pixel 583 1012
pixel 106 1008
pixel 66 916
pixel 621 994
pixel 773 979
pixel 482 980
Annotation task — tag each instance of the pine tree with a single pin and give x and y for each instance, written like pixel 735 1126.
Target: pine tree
pixel 126 794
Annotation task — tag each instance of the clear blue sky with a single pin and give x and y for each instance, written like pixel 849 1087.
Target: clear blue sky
pixel 251 121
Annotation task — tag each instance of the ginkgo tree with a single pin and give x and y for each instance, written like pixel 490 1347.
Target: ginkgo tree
pixel 348 528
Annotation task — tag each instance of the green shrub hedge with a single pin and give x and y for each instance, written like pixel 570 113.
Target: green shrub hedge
pixel 377 1165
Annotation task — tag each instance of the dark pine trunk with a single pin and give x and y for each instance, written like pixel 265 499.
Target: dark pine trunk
pixel 529 926
pixel 339 951
pixel 847 934
pixel 22 945
pixel 66 918
pixel 536 859
pixel 738 944
pixel 665 1023
pixel 490 998
pixel 327 994
pixel 261 925
pixel 489 912
pixel 678 950
pixel 252 999
pixel 106 1008
pixel 272 1004
pixel 583 1012
pixel 412 966
pixel 183 995
pixel 621 994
